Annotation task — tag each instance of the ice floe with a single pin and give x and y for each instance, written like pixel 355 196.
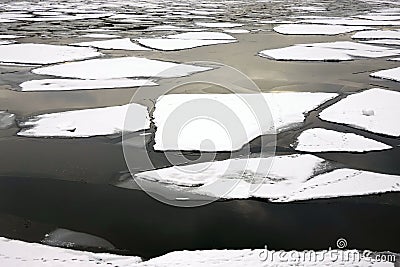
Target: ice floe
pixel 124 67
pixel 350 22
pixel 187 40
pixel 120 44
pixel 286 110
pixel 394 42
pixel 72 84
pixel 330 51
pixel 37 255
pixel 352 111
pixel 308 177
pixel 314 29
pixel 86 122
pixel 390 74
pixel 99 35
pixel 323 140
pixel 236 31
pixel 43 53
pixel 377 34
pixel 218 24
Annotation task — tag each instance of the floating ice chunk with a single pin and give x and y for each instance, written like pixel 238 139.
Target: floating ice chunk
pixel 43 53
pixel 285 109
pixel 323 140
pixel 377 34
pixel 71 84
pixel 236 31
pixel 169 28
pixel 6 42
pixel 218 24
pixel 40 255
pixel 390 74
pixel 202 36
pixel 342 183
pixel 304 53
pixel 314 29
pixel 71 239
pixel 121 44
pixel 384 103
pixel 115 68
pixel 378 16
pixel 384 42
pixel 350 22
pixel 270 169
pixel 330 51
pixel 99 35
pixel 169 44
pixel 86 122
pixel 308 177
pixel 6 119
pixel 9 36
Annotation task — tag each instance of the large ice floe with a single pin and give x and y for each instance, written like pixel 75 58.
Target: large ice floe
pixel 86 122
pixel 117 44
pixel 390 74
pixel 75 84
pixel 41 255
pixel 331 51
pixel 315 29
pixel 308 177
pixel 350 22
pixel 377 34
pixel 44 53
pixel 115 68
pixel 187 40
pixel 180 111
pixel 323 140
pixel 363 111
pixel 218 24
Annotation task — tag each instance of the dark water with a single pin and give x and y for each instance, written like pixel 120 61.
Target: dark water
pixel 139 225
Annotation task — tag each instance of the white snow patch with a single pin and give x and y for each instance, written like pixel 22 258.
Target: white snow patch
pixel 390 74
pixel 71 84
pixel 350 22
pixel 10 36
pixel 115 68
pixel 278 111
pixel 384 42
pixel 120 44
pixel 169 44
pixel 218 24
pixel 314 29
pixel 377 34
pixel 99 35
pixel 323 140
pixel 43 53
pixel 38 255
pixel 202 36
pixel 236 31
pixel 87 122
pixel 383 103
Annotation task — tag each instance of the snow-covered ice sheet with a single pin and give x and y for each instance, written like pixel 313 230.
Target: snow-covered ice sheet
pixel 323 140
pixel 375 110
pixel 124 67
pixel 330 51
pixel 377 34
pixel 236 31
pixel 118 44
pixel 22 254
pixel 218 24
pixel 44 53
pixel 6 119
pixel 75 84
pixel 390 74
pixel 350 22
pixel 41 255
pixel 169 44
pixel 99 35
pixel 378 16
pixel 315 29
pixel 308 177
pixel 202 36
pixel 10 36
pixel 86 122
pixel 384 42
pixel 285 109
